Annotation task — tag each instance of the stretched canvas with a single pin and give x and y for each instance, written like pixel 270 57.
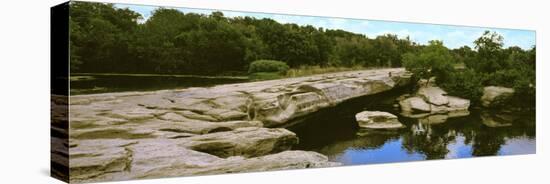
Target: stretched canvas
pixel 141 91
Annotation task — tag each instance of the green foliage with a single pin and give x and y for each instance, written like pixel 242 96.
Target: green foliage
pixel 357 50
pixel 521 79
pixel 489 57
pixel 434 60
pixel 268 66
pixel 466 84
pixel 488 65
pixel 106 39
pixel 491 65
pixel 100 37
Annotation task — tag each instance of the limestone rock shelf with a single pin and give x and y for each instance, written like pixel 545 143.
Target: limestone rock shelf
pixel 196 131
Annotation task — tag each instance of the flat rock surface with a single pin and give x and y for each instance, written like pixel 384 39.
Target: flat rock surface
pixel 378 120
pixel 196 131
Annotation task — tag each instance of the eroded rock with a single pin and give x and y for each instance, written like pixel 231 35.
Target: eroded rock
pixel 93 158
pixel 194 131
pixel 378 120
pixel 432 105
pixel 116 159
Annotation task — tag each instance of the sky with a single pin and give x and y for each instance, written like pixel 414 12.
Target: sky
pixel 452 36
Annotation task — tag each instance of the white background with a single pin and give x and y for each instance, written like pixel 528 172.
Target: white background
pixel 24 90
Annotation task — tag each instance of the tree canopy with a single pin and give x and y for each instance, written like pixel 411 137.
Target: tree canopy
pixel 106 39
pixel 434 60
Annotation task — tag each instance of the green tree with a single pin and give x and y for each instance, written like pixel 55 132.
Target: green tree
pixel 434 60
pixel 489 56
pixel 215 48
pixel 100 37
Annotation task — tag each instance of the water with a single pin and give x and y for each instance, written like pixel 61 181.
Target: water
pixel 89 84
pixel 334 133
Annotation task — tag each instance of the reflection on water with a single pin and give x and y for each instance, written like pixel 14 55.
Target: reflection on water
pixel 118 83
pixel 335 133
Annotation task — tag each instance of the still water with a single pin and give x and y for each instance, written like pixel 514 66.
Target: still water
pixel 89 84
pixel 334 133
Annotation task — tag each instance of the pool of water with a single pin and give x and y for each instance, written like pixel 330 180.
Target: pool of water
pixel 89 84
pixel 334 133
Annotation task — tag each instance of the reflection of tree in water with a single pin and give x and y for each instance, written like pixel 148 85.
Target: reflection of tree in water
pixel 433 140
pixel 487 143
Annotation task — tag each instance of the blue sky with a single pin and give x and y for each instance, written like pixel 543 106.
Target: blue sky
pixel 452 36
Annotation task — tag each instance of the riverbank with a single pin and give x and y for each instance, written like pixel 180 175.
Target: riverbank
pixel 95 83
pixel 196 131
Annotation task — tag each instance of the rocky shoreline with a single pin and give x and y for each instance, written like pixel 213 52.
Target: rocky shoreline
pixel 196 131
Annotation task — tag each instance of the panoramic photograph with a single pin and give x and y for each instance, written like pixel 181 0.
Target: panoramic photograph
pixel 167 91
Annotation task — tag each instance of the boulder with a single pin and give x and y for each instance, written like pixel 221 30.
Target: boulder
pixel 494 96
pixel 378 120
pixel 457 104
pixel 431 105
pixel 433 95
pixel 414 104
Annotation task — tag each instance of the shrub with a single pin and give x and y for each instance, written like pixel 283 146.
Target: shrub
pixel 465 84
pixel 524 84
pixel 503 78
pixel 268 66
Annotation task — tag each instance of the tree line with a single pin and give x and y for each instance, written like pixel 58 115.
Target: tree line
pixel 107 39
